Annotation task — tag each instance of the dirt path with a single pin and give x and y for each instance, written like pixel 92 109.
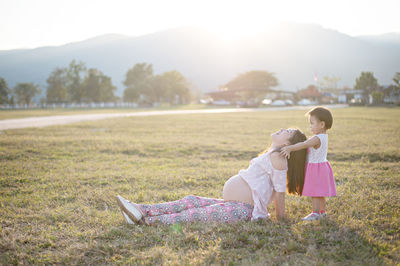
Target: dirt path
pixel 45 121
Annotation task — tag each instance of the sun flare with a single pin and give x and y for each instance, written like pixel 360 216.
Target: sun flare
pixel 230 30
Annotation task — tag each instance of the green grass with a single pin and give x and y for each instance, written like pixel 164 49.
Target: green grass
pixel 57 189
pixel 21 113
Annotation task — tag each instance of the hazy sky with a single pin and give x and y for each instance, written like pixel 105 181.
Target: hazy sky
pixel 34 23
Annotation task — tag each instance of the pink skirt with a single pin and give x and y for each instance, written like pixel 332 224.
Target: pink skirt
pixel 319 181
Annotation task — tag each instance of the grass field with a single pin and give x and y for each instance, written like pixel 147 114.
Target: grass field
pixel 58 187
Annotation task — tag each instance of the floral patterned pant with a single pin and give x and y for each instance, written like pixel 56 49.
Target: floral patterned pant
pixel 194 208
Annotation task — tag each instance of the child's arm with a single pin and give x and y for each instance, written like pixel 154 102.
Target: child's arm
pixel 311 142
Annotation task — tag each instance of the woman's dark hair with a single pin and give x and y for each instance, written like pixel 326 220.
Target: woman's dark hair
pixel 323 114
pixel 296 165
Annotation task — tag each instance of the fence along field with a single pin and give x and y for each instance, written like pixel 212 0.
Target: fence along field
pixel 57 188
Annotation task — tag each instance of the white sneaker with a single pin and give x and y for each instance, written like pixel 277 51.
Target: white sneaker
pixel 311 217
pixel 129 210
pixel 323 215
pixel 127 219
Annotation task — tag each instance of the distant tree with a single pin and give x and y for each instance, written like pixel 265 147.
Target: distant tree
pixel 75 74
pixel 138 81
pixel 329 82
pixel 396 80
pixel 107 89
pixel 25 92
pixel 311 92
pixel 377 96
pixel 253 84
pixel 57 91
pixel 157 91
pixel 98 87
pixel 4 92
pixel 367 83
pixel 175 88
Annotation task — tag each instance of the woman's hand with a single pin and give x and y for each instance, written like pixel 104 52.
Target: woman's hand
pixel 285 151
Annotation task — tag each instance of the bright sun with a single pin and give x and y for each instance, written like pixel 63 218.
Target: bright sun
pixel 230 32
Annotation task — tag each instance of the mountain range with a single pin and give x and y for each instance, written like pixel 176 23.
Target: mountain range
pixel 296 53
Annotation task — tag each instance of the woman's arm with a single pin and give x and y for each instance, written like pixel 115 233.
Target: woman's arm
pixel 311 142
pixel 279 202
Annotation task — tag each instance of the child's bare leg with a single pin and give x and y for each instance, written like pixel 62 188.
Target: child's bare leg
pixel 322 204
pixel 316 204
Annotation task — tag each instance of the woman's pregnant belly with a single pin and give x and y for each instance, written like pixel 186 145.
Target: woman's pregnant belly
pixel 236 189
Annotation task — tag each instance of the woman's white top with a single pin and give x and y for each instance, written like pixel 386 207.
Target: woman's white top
pixel 263 179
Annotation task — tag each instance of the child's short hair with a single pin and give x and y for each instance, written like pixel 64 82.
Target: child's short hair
pixel 323 114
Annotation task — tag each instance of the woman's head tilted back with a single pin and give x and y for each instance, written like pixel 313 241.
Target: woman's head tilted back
pixel 287 136
pixel 296 165
pixel 297 160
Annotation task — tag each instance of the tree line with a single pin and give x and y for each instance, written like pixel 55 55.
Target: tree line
pixel 78 84
pixel 144 87
pixel 368 84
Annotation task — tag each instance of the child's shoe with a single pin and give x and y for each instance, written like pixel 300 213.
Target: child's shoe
pixel 127 219
pixel 312 217
pixel 323 215
pixel 130 209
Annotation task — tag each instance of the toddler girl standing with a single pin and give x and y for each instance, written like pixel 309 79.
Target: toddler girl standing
pixel 319 181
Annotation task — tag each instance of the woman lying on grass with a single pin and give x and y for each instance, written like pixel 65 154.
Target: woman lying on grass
pixel 245 195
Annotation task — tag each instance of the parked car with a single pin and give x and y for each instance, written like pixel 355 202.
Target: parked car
pixel 306 102
pixel 221 102
pixel 206 101
pixel 247 104
pixel 357 101
pixel 288 102
pixel 266 102
pixel 278 103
